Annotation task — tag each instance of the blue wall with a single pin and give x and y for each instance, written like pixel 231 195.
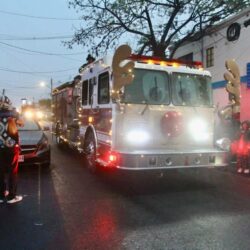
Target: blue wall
pixel 222 84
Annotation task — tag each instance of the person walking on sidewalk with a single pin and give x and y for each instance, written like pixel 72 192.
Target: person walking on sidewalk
pixel 9 151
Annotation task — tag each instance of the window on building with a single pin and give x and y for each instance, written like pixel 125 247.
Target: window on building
pixel 210 57
pixel 248 74
pixel 85 86
pixel 188 57
pixel 103 88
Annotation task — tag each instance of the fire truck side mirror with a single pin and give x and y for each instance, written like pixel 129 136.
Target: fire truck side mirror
pixel 122 72
pixel 121 94
pixel 119 97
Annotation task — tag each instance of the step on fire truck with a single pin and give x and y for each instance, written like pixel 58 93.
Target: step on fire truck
pixel 136 112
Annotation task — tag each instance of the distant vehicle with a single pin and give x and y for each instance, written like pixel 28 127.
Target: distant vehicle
pixel 35 147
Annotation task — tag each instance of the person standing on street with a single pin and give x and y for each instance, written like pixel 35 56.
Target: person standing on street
pixel 9 151
pixel 241 148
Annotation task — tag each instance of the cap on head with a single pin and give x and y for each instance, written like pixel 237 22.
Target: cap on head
pixel 90 58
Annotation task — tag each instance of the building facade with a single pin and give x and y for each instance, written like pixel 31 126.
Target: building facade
pixel 229 39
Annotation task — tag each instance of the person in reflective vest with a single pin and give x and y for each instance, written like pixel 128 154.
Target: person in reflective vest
pixel 241 148
pixel 9 151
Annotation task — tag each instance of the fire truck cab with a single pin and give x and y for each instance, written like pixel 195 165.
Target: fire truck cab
pixel 161 117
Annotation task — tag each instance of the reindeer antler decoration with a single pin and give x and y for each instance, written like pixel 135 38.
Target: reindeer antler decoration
pixel 122 75
pixel 233 86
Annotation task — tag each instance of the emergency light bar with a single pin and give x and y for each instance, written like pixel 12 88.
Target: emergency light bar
pixel 165 62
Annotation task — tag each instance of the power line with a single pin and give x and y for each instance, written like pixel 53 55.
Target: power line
pixel 39 17
pixel 17 59
pixel 36 72
pixel 14 84
pixel 36 38
pixel 39 52
pixel 32 54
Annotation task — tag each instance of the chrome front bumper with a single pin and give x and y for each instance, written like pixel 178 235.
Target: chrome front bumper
pixel 172 160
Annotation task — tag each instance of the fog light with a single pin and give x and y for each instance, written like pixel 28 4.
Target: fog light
pixel 112 158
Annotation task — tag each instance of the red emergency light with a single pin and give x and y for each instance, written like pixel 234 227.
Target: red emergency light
pixel 165 62
pixel 112 158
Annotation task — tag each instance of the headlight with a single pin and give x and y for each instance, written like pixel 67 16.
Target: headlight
pixel 224 143
pixel 137 137
pixel 29 114
pixel 198 129
pixel 39 114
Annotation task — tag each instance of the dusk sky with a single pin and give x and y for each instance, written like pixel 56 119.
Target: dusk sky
pixel 23 60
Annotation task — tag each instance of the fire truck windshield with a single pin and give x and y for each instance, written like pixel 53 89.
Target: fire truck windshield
pixel 153 87
pixel 191 90
pixel 148 86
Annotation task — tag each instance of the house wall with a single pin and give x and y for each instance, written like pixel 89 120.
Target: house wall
pixel 220 97
pixel 238 50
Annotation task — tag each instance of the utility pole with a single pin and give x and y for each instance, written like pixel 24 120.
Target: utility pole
pixel 51 107
pixel 51 90
pixel 51 87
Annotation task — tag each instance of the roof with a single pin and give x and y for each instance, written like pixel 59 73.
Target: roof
pixel 220 25
pixel 64 86
pixel 228 21
pixel 70 84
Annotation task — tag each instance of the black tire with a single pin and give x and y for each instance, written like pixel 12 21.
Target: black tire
pixel 90 152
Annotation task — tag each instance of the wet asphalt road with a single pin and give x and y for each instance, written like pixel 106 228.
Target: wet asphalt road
pixel 66 207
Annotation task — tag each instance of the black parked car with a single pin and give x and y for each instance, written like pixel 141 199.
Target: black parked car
pixel 35 147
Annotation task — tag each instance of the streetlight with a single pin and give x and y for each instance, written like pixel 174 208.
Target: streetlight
pixel 44 84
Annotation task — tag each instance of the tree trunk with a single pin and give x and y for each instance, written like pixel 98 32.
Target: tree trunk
pixel 159 50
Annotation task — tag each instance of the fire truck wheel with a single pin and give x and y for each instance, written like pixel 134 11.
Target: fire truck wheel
pixel 90 152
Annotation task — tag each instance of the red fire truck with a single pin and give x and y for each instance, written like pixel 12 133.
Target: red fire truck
pixel 135 112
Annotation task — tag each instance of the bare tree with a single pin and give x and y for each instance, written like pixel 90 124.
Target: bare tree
pixel 155 26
